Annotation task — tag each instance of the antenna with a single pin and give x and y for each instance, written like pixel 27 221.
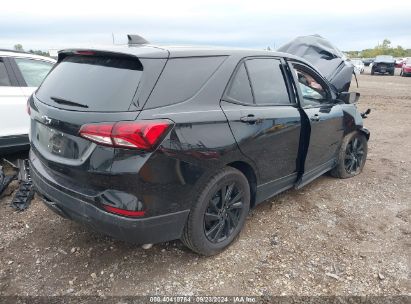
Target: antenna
pixel 136 39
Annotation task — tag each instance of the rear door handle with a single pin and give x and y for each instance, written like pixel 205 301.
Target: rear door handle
pixel 315 117
pixel 250 119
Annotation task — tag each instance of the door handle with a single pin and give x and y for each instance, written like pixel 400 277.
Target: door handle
pixel 315 117
pixel 250 119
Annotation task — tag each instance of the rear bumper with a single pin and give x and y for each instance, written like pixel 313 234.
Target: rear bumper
pixel 153 229
pixel 379 69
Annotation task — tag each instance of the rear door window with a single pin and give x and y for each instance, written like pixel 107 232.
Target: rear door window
pixel 267 81
pixel 182 78
pixel 240 89
pixel 33 71
pixel 92 83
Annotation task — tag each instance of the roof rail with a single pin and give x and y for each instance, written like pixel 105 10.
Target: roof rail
pixel 136 39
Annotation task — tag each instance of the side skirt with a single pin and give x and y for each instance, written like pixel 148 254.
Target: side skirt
pixel 267 190
pixel 316 172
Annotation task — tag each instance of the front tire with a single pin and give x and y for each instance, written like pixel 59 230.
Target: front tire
pixel 352 156
pixel 219 213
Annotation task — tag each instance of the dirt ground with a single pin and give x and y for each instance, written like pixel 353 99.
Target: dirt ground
pixel 333 237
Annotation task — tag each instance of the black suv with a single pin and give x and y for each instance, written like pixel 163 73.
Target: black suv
pixel 150 144
pixel 383 64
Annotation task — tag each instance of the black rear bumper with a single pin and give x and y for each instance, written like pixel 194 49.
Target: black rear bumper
pixel 154 229
pixel 385 69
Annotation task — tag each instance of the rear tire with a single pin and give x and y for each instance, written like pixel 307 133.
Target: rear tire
pixel 219 213
pixel 352 156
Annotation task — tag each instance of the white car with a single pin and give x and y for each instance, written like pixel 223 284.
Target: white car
pixel 20 74
pixel 358 66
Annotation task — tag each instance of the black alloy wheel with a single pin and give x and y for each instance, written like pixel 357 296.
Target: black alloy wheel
pixel 219 212
pixel 223 213
pixel 354 156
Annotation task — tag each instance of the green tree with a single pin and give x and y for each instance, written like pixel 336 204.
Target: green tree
pixel 18 47
pixel 39 52
pixel 384 48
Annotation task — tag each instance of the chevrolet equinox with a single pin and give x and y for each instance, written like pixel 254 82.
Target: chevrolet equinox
pixel 149 144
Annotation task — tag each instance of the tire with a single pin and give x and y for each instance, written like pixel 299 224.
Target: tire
pixel 372 72
pixel 350 162
pixel 198 233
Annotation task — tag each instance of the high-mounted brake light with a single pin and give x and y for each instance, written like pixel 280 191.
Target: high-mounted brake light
pixel 143 134
pixel 86 53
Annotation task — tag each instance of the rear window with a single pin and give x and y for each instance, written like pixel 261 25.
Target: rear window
pixel 182 78
pixel 92 83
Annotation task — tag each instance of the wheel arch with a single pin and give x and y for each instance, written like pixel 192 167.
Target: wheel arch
pixel 251 176
pixel 365 132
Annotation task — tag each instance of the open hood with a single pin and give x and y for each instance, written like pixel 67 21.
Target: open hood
pixel 329 60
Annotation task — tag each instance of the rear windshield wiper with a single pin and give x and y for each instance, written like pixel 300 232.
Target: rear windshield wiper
pixel 68 102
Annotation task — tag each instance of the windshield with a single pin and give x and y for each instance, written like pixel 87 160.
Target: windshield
pixel 92 83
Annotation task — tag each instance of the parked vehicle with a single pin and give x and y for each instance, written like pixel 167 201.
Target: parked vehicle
pixel 383 64
pixel 150 144
pixel 20 74
pixel 368 61
pixel 406 68
pixel 358 66
pixel 399 62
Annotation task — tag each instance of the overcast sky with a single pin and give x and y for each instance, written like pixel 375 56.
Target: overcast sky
pixel 349 24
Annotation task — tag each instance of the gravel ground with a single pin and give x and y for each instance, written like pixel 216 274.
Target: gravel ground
pixel 333 237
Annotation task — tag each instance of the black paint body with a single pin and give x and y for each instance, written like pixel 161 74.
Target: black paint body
pixel 284 148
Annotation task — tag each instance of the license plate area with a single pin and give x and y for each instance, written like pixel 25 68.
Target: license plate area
pixel 58 143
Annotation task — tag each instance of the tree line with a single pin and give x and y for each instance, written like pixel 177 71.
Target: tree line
pixel 19 47
pixel 384 48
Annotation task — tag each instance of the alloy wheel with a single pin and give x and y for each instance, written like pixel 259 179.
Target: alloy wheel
pixel 223 213
pixel 354 156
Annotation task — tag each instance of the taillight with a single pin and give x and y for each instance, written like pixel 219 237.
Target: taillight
pixel 143 134
pixel 123 212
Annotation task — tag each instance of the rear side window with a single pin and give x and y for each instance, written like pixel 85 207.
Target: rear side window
pixel 92 83
pixel 267 81
pixel 4 78
pixel 240 89
pixel 182 78
pixel 33 71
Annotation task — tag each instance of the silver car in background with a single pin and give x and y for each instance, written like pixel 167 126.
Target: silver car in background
pixel 358 66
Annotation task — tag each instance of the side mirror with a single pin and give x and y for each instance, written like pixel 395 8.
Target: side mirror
pixel 349 97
